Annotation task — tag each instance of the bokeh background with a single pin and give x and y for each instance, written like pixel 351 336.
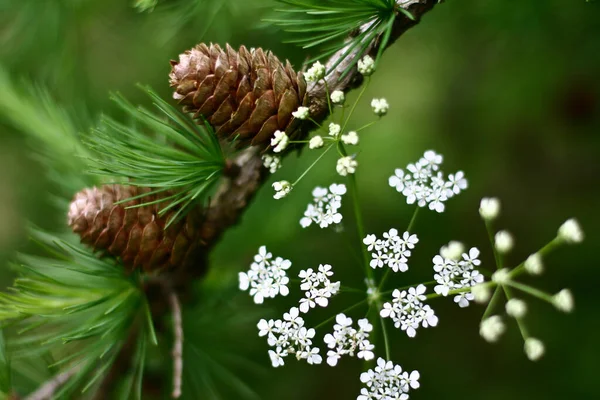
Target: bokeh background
pixel 508 92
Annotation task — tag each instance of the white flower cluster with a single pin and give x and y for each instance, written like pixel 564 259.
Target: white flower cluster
pixel 457 274
pixel 315 72
pixel 324 210
pixel 279 141
pixel 289 336
pixel 282 189
pixel 392 250
pixel 266 277
pixel 317 287
pixel 301 113
pixel 346 165
pixel 408 311
pixel 380 106
pixel 387 381
pixel 425 185
pixel 347 340
pixel 366 65
pixel 272 163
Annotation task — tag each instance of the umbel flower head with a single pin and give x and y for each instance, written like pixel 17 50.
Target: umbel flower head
pixel 345 340
pixel 267 277
pixel 324 210
pixel 387 381
pixel 392 251
pixel 408 311
pixel 451 274
pixel 245 95
pixel 424 184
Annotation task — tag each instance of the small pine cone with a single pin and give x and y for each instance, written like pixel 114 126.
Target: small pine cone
pixel 135 235
pixel 246 95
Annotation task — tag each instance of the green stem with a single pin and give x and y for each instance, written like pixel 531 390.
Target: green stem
pixel 520 322
pixel 493 302
pixel 328 97
pixel 532 291
pixel 386 341
pixel 355 103
pixel 490 232
pixel 366 126
pixel 342 312
pixel 313 164
pixel 552 245
pixel 359 224
pixel 407 286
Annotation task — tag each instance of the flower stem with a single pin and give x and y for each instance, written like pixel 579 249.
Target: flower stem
pixel 490 232
pixel 493 302
pixel 359 224
pixel 386 341
pixel 552 245
pixel 342 312
pixel 355 103
pixel 313 164
pixel 532 291
pixel 520 321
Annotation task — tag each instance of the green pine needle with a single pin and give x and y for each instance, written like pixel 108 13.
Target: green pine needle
pixel 183 160
pixel 75 307
pixel 328 25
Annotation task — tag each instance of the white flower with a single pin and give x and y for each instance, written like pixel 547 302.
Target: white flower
pixel 345 340
pixel 282 189
pixel 452 250
pixel 346 165
pixel 392 251
pixel 534 264
pixel 380 106
pixel 458 273
pixel 301 113
pixel 501 277
pixel 337 97
pixel 351 138
pixel 492 328
pixel 387 382
pixel 266 277
pixel 563 301
pixel 570 232
pixel 481 293
pixel 423 184
pixel 272 163
pixel 334 130
pixel 279 142
pixel 408 311
pixel 289 336
pixel 315 72
pixel 366 65
pixel 534 348
pixel 315 142
pixel 318 287
pixel 489 208
pixel 503 241
pixel 516 308
pixel 324 210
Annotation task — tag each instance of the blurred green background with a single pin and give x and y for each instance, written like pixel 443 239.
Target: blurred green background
pixel 508 92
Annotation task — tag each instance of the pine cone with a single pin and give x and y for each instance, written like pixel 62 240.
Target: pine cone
pixel 136 235
pixel 244 95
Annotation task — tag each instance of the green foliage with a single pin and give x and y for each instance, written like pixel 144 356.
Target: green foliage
pixel 52 132
pixel 5 384
pixel 218 365
pixel 328 24
pixel 145 5
pixel 73 311
pixel 183 158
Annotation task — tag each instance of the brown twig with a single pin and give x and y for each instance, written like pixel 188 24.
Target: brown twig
pixel 47 389
pixel 177 352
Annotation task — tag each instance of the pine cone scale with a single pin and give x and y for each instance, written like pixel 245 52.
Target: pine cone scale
pixel 239 92
pixel 135 235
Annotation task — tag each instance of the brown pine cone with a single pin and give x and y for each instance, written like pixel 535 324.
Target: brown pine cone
pixel 136 235
pixel 244 95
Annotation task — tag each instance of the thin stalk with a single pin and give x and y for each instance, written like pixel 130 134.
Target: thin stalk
pixel 490 232
pixel 493 302
pixel 359 224
pixel 313 164
pixel 532 291
pixel 552 245
pixel 520 322
pixel 342 312
pixel 365 85
pixel 386 341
